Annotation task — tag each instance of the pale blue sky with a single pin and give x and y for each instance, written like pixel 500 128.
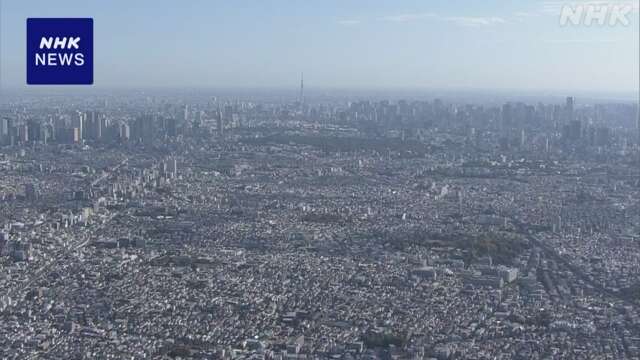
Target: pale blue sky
pixel 441 44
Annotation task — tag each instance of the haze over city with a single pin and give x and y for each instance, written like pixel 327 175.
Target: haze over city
pixel 489 45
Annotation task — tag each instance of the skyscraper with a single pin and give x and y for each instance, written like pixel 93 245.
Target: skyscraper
pixel 33 130
pixel 638 121
pixel 23 133
pixel 144 129
pixel 573 130
pixel 124 132
pixel 569 109
pixel 173 167
pixel 172 127
pixel 301 99
pixel 95 126
pixel 5 126
pixel 220 122
pixel 78 123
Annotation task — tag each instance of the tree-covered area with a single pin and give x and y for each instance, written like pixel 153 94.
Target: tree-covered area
pixel 502 246
pixel 332 144
pixel 383 339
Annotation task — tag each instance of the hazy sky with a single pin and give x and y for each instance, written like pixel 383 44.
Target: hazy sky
pixel 447 44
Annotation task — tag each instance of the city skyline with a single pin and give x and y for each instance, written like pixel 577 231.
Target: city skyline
pixel 197 226
pixel 340 180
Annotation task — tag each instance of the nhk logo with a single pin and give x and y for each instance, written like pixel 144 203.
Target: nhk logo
pixel 597 13
pixel 59 51
pixel 62 59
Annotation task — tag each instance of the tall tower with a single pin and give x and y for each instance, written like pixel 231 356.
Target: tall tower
pixel 301 99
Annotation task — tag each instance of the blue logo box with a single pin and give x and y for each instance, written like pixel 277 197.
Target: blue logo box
pixel 59 51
